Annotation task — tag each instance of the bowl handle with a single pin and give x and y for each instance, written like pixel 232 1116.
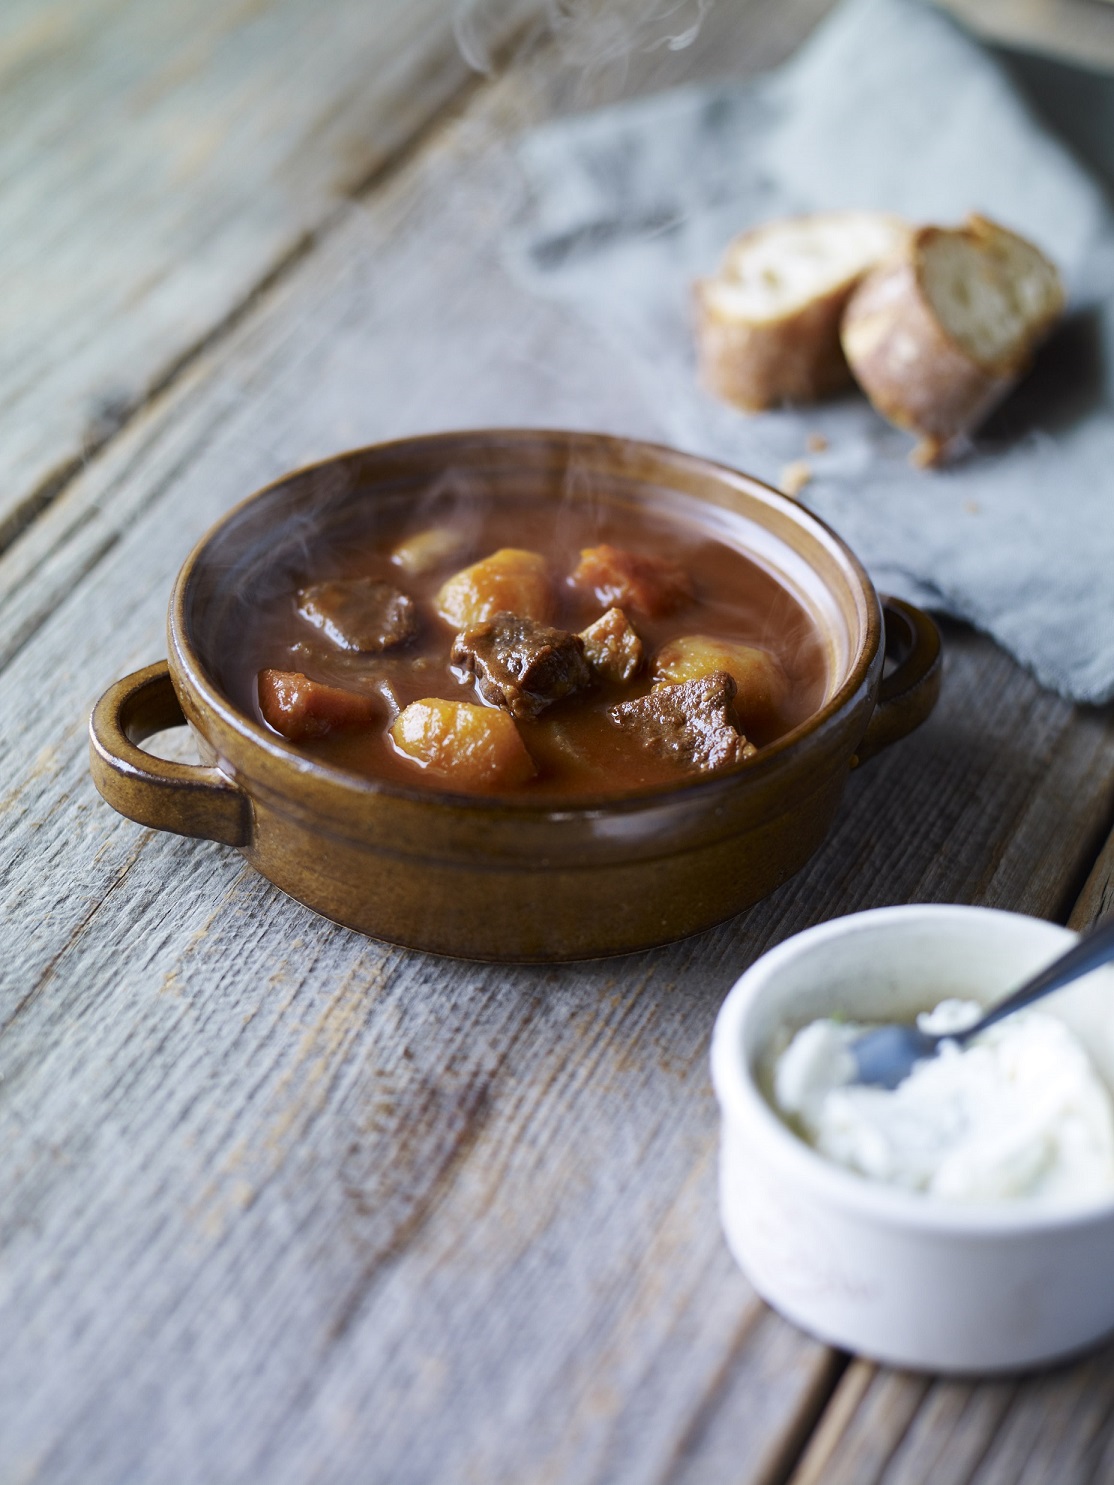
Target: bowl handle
pixel 186 798
pixel 910 690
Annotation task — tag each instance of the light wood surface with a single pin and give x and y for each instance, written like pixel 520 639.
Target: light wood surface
pixel 159 162
pixel 284 1204
pixel 1080 31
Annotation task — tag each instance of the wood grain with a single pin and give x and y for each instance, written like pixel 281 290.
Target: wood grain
pixel 894 1429
pixel 1079 31
pixel 157 164
pixel 1096 901
pixel 282 1203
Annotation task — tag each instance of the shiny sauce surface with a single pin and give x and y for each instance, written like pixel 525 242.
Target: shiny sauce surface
pixel 577 749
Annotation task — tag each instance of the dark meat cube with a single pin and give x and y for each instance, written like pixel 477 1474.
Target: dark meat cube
pixel 520 664
pixel 690 722
pixel 359 613
pixel 649 585
pixel 299 708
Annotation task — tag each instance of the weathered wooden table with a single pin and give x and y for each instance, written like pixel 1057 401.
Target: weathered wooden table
pixel 280 1203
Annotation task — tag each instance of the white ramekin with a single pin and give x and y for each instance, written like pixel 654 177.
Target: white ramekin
pixel 899 1276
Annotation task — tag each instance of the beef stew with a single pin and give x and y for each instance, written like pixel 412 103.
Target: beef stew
pixel 552 649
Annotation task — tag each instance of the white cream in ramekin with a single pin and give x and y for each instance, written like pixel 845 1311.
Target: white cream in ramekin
pixel 1019 1111
pixel 900 1275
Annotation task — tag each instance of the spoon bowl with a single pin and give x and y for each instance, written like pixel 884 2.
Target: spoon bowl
pixel 886 1055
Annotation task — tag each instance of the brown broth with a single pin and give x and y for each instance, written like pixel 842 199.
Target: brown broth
pixel 576 748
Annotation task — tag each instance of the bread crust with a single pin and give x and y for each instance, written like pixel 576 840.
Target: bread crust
pixel 913 371
pixel 758 362
pixel 797 358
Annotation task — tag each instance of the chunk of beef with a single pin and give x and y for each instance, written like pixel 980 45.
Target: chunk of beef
pixel 612 648
pixel 651 586
pixel 299 708
pixel 520 664
pixel 760 678
pixel 690 722
pixel 359 613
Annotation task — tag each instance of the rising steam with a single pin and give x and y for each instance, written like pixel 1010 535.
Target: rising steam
pixel 588 34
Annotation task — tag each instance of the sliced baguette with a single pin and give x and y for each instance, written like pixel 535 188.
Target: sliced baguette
pixel 767 325
pixel 937 337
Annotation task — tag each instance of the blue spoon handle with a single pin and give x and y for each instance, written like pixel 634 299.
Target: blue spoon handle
pixel 1094 949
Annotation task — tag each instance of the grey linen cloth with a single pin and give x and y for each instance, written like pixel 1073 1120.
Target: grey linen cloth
pixel 890 105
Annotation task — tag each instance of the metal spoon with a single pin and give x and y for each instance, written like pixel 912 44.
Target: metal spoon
pixel 885 1057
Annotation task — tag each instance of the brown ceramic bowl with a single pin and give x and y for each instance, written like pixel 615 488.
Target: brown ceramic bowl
pixel 507 878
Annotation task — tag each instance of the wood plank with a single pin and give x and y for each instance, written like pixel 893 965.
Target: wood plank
pixel 159 162
pixel 850 1425
pixel 903 1430
pixel 1079 31
pixel 283 1203
pixel 734 1422
pixel 947 1437
pixel 1096 901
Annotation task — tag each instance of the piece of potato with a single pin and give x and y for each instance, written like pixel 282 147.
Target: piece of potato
pixel 509 581
pixel 471 747
pixel 759 676
pixel 425 551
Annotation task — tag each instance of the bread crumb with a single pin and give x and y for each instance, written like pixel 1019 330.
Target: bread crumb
pixel 929 453
pixel 816 443
pixel 972 507
pixel 794 477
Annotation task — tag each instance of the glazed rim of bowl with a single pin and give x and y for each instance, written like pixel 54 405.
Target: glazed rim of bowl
pixel 863 652
pixel 740 1096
